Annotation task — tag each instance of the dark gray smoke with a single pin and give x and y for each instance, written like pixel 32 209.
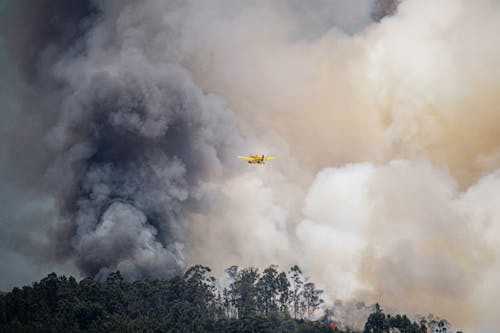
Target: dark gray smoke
pixel 36 31
pixel 126 141
pixel 132 146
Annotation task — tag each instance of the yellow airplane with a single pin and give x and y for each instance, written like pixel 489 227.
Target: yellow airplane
pixel 256 159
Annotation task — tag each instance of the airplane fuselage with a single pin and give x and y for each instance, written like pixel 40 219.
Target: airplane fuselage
pixel 256 159
pixel 259 161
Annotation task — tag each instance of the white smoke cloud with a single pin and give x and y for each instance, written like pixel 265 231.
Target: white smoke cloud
pixel 400 233
pixel 336 211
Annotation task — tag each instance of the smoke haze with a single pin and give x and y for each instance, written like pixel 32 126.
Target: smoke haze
pixel 121 121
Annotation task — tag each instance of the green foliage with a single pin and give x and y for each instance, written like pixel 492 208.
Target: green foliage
pixel 243 292
pixel 378 322
pixel 271 301
pixel 267 291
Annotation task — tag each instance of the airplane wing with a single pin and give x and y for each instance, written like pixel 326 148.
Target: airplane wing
pixel 248 158
pixel 268 158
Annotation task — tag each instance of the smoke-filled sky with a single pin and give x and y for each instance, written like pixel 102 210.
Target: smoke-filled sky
pixel 121 122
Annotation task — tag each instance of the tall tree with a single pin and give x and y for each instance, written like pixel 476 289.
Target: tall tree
pixel 312 298
pixel 376 322
pixel 243 292
pixel 201 290
pixel 295 275
pixel 267 290
pixel 283 287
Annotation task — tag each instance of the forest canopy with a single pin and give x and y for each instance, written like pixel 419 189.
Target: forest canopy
pixel 252 301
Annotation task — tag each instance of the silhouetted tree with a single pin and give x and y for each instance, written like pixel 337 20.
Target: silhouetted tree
pixel 376 322
pixel 267 291
pixel 312 298
pixel 296 291
pixel 243 292
pixel 191 303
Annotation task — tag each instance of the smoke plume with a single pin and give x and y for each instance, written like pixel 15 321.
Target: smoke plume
pixel 123 119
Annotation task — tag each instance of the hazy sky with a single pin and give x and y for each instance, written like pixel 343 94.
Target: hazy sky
pixel 121 122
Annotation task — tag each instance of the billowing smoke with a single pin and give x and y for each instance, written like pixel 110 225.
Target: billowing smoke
pixel 132 145
pixel 131 141
pixel 125 118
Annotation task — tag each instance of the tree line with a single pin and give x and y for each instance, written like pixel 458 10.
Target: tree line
pixel 379 322
pixel 271 301
pixel 250 302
